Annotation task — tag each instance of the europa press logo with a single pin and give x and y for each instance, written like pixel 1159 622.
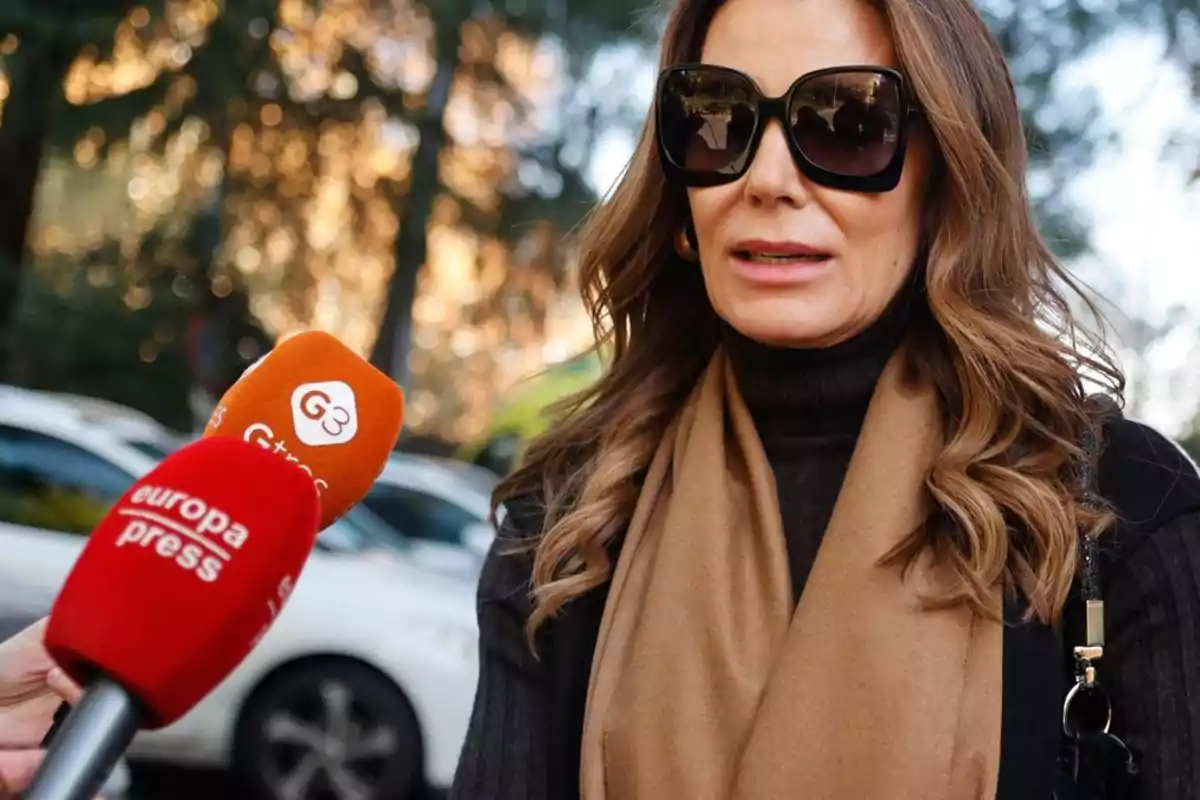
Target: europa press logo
pixel 324 413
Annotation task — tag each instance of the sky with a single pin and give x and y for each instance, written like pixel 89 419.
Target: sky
pixel 1144 216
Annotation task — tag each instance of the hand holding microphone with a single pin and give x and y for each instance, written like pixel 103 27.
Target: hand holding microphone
pixel 32 687
pixel 189 569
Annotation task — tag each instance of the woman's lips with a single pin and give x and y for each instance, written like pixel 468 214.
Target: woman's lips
pixel 780 267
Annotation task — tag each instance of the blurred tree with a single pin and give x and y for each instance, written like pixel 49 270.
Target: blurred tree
pixel 1040 41
pixel 1191 441
pixel 38 42
pixel 222 336
pixel 469 38
pixel 366 163
pixel 1191 445
pixel 286 92
pixel 127 326
pixel 91 326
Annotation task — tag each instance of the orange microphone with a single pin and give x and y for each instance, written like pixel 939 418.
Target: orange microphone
pixel 317 404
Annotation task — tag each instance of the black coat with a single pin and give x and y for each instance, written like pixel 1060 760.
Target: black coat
pixel 524 736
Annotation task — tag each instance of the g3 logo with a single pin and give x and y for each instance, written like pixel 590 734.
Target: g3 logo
pixel 324 413
pixel 318 406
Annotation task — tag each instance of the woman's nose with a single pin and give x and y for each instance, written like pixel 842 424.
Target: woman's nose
pixel 772 176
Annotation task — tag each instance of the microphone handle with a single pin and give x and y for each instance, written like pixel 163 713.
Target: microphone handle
pixel 93 738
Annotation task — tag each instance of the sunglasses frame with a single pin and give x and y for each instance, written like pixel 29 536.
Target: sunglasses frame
pixel 768 108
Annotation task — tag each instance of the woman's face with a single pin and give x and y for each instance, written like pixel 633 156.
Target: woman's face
pixel 862 246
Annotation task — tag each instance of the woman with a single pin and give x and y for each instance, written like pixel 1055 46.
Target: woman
pixel 815 532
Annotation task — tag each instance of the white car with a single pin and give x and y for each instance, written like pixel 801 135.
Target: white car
pixel 439 508
pixel 362 688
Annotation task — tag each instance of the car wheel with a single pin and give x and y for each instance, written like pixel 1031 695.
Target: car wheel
pixel 329 731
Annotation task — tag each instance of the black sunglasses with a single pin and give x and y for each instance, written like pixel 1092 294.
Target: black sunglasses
pixel 845 126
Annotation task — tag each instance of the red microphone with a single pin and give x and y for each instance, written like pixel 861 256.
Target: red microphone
pixel 172 591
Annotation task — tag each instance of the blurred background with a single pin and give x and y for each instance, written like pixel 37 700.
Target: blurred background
pixel 184 183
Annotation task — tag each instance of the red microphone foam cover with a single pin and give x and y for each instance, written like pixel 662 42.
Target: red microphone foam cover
pixel 185 574
pixel 315 402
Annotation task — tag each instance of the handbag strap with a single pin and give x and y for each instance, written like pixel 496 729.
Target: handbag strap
pixel 1087 707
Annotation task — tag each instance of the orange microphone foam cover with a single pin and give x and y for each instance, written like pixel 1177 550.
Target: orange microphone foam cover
pixel 317 404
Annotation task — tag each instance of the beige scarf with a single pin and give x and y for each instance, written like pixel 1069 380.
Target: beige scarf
pixel 707 684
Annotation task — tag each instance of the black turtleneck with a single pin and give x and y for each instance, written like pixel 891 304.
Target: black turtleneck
pixel 808 406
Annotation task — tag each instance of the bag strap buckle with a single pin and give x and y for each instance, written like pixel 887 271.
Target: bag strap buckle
pixel 1087 708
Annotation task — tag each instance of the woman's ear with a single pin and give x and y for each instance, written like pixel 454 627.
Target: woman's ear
pixel 686 245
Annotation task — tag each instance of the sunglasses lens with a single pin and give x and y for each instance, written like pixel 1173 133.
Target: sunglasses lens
pixel 848 123
pixel 706 120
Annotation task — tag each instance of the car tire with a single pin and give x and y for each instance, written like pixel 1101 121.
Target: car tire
pixel 313 731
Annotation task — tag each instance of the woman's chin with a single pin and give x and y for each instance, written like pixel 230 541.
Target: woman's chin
pixel 785 327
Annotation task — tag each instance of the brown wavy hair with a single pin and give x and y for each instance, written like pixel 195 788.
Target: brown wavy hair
pixel 1004 349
